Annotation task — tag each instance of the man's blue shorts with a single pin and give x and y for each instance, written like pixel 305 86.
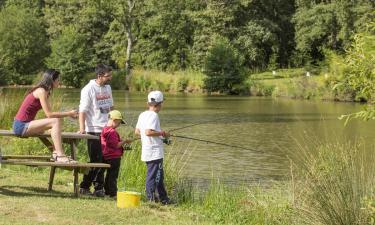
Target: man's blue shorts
pixel 19 127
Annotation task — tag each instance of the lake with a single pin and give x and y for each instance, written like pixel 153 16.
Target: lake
pixel 269 130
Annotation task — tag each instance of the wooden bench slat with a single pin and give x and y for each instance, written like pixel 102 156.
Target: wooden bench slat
pixel 36 157
pixel 64 135
pixel 55 164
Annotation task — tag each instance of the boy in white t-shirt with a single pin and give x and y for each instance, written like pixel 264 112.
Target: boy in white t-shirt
pixel 148 127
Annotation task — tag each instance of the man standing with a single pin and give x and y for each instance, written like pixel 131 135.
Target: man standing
pixel 95 104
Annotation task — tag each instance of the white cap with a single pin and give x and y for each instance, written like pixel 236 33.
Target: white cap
pixel 155 97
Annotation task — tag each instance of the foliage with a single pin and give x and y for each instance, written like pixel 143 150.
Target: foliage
pixel 165 35
pixel 327 24
pixel 89 18
pixel 359 74
pixel 171 35
pixel 118 80
pixel 331 182
pixel 70 56
pixel 181 81
pixel 222 68
pixel 23 44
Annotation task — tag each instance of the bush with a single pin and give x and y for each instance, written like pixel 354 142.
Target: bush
pixel 182 84
pixel 222 68
pixel 118 81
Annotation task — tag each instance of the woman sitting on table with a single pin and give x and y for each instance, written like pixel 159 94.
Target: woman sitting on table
pixel 37 98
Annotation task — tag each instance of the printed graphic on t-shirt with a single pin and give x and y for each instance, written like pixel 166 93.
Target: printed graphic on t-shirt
pixel 104 102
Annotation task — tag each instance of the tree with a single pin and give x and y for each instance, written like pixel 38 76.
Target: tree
pixel 71 56
pixel 165 35
pixel 126 18
pixel 222 67
pixel 327 25
pixel 209 18
pixel 90 18
pixel 23 44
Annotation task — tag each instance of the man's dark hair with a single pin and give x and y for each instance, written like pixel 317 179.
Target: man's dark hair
pixel 102 69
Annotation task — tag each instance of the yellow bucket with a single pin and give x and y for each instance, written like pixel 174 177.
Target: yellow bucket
pixel 127 199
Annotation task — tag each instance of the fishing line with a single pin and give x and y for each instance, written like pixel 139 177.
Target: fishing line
pixel 217 143
pixel 201 140
pixel 195 124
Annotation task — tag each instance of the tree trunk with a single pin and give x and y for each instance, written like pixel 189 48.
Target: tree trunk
pixel 128 28
pixel 128 67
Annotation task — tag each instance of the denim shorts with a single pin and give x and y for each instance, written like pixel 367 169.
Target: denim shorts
pixel 19 127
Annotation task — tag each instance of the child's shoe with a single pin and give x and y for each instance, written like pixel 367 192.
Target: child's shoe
pixel 99 193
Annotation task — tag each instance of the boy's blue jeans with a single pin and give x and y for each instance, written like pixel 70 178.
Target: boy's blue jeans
pixel 155 181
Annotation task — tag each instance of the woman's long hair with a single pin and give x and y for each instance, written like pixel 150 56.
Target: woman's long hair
pixel 49 76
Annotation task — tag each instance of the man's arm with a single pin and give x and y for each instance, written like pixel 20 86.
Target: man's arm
pixel 82 118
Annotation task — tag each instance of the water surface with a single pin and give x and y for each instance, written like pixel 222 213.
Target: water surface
pixel 270 129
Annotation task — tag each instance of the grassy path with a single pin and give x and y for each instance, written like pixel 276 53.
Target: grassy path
pixel 25 200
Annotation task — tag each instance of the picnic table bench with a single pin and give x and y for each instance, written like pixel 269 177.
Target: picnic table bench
pixel 45 161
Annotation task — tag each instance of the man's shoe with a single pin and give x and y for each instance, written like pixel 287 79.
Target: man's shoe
pixel 84 191
pixel 98 193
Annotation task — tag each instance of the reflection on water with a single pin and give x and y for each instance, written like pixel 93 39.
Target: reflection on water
pixel 273 126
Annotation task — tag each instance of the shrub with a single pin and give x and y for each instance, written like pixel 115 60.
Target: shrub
pixel 222 68
pixel 182 84
pixel 118 81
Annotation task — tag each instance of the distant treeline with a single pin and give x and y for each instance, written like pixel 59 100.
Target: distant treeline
pixel 170 35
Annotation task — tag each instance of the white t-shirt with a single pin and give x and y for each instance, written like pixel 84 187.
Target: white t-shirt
pixel 96 101
pixel 152 146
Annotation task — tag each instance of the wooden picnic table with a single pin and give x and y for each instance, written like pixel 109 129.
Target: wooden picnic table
pixel 67 137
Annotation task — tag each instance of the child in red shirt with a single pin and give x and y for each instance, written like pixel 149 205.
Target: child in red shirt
pixel 112 151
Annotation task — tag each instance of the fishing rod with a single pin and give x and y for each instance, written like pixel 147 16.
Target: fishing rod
pixel 216 143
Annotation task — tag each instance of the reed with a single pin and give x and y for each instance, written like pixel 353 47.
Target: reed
pixel 181 81
pixel 332 183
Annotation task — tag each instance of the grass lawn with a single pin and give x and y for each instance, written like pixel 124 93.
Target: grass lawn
pixel 24 199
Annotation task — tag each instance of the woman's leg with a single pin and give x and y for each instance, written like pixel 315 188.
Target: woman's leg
pixel 39 126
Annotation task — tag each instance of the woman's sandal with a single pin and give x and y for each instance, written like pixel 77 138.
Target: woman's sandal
pixel 53 157
pixel 64 159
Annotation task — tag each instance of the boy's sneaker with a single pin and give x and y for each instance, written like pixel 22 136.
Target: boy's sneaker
pixel 84 191
pixel 114 197
pixel 167 202
pixel 98 193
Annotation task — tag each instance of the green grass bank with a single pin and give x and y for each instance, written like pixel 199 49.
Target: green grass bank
pixel 288 83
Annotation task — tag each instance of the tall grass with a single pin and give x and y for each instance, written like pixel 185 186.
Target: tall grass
pixel 239 204
pixel 181 81
pixel 10 100
pixel 332 183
